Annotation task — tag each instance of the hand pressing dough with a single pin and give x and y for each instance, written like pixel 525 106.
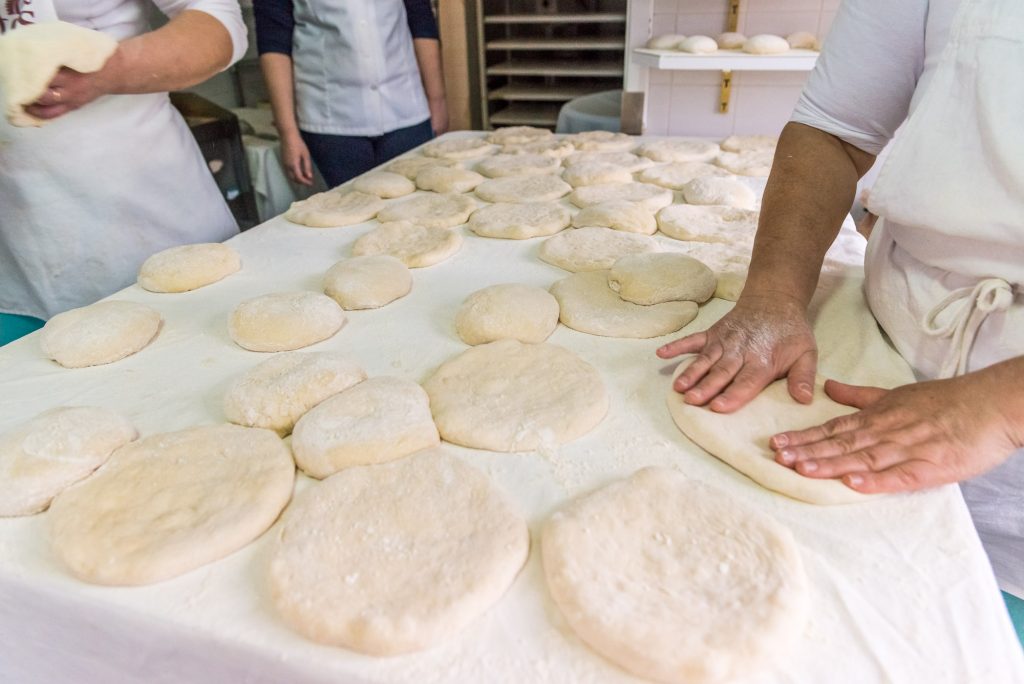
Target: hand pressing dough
pixel 100 333
pixel 394 558
pixel 518 135
pixel 750 143
pixel 649 279
pixel 679 150
pixel 676 175
pixel 410 166
pixel 668 41
pixel 651 196
pixel 709 223
pixel 603 141
pixel 442 179
pixel 624 160
pixel 629 217
pixel 378 420
pixel 519 221
pixel 431 211
pixel 45 455
pixel 32 55
pixel 508 311
pixel 284 321
pixel 588 305
pixel 413 245
pixel 741 438
pixel 459 148
pixel 766 44
pixel 698 45
pixel 595 173
pixel 502 165
pixel 334 208
pixel 509 396
pixel 731 40
pixel 188 267
pixel 719 191
pixel 551 146
pixel 523 189
pixel 676 582
pixel 803 40
pixel 367 282
pixel 593 249
pixel 384 184
pixel 749 163
pixel 276 393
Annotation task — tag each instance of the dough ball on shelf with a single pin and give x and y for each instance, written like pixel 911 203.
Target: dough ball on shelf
pixel 677 174
pixel 523 189
pixel 698 45
pixel 668 41
pixel 518 135
pixel 432 211
pixel 709 223
pixel 595 173
pixel 410 166
pixel 651 196
pixel 803 40
pixel 444 180
pixel 502 165
pixel 334 209
pixel 731 40
pixel 679 150
pixel 507 311
pixel 519 220
pixel 766 44
pixel 459 148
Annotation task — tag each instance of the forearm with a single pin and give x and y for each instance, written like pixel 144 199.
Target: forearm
pixel 428 57
pixel 1000 385
pixel 277 73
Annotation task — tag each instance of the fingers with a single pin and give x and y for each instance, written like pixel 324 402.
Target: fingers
pixel 305 169
pixel 52 96
pixel 47 111
pixel 684 345
pixel 906 476
pixel 793 440
pixel 853 395
pixel 718 376
pixel 748 383
pixel 801 377
pixel 871 458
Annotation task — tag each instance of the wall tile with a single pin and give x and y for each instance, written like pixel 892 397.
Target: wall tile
pixel 779 5
pixel 658 110
pixel 663 23
pixel 779 23
pixel 694 111
pixel 705 24
pixel 702 6
pixel 770 79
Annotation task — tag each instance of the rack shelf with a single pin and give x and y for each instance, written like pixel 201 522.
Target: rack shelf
pixel 551 68
pixel 558 44
pixel 527 114
pixel 555 93
pixel 588 18
pixel 725 60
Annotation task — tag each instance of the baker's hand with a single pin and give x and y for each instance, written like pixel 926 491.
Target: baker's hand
pixel 438 115
pixel 760 340
pixel 298 164
pixel 68 91
pixel 913 437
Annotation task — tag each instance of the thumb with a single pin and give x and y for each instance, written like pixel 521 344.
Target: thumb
pixel 857 396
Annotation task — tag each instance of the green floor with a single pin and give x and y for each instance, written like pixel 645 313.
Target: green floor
pixel 1016 608
pixel 13 326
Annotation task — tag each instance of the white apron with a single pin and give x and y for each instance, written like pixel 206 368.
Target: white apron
pixel 945 264
pixel 85 199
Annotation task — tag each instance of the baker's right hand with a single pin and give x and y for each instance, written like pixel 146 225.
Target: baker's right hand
pixel 762 339
pixel 298 165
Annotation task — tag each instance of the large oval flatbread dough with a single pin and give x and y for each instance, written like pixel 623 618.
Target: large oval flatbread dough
pixel 679 150
pixel 678 174
pixel 507 311
pixel 431 211
pixel 285 321
pixel 414 245
pixel 384 184
pixel 171 503
pixel 459 148
pixel 649 279
pixel 394 558
pixel 625 160
pixel 588 305
pixel 523 189
pixel 411 166
pixel 741 438
pixel 367 282
pixel 503 165
pixel 675 582
pixel 334 208
pixel 555 147
pixel 518 135
pixel 276 393
pixel 510 396
pixel 188 267
pixel 730 225
pixel 442 179
pixel 602 141
pixel 519 221
pixel 100 333
pixel 651 196
pixel 593 249
pixel 54 450
pixel 595 173
pixel 629 217
pixel 720 191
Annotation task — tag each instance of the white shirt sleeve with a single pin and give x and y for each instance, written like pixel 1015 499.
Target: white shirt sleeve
pixel 227 12
pixel 861 88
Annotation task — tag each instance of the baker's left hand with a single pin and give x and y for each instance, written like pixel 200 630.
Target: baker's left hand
pixel 438 115
pixel 68 91
pixel 913 437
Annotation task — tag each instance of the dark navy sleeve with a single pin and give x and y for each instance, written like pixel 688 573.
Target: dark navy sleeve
pixel 274 25
pixel 422 23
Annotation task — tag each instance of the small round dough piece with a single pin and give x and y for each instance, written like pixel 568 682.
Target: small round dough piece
pixel 624 160
pixel 720 191
pixel 595 173
pixel 731 40
pixel 502 165
pixel 588 305
pixel 367 282
pixel 459 148
pixel 432 211
pixel 766 44
pixel 551 146
pixel 749 163
pixel 651 196
pixel 519 221
pixel 45 455
pixel 668 41
pixel 730 285
pixel 708 223
pixel 676 175
pixel 676 582
pixel 277 392
pixel 410 166
pixel 676 150
pixel 509 396
pixel 443 179
pixel 284 321
pixel 649 279
pixel 188 267
pixel 384 184
pixel 603 141
pixel 395 558
pixel 629 217
pixel 750 143
pixel 518 135
pixel 698 45
pixel 378 420
pixel 523 189
pixel 593 249
pixel 507 311
pixel 100 333
pixel 415 246
pixel 172 502
pixel 334 208
pixel 803 40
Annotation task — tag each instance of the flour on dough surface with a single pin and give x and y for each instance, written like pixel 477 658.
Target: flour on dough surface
pixel 651 196
pixel 593 249
pixel 442 179
pixel 414 245
pixel 334 208
pixel 188 267
pixel 431 211
pixel 367 282
pixel 544 188
pixel 284 321
pixel 519 221
pixel 677 174
pixel 507 311
pixel 384 184
pixel 629 217
pixel 99 334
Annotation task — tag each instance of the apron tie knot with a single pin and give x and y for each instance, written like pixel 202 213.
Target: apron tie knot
pixel 969 307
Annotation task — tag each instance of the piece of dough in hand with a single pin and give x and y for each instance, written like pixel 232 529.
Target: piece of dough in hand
pixel 98 334
pixel 188 267
pixel 284 321
pixel 649 279
pixel 367 282
pixel 519 312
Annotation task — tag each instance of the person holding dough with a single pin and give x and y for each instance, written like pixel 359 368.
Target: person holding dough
pixel 352 84
pixel 112 174
pixel 944 266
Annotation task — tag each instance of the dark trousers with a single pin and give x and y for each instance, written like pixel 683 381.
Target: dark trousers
pixel 341 157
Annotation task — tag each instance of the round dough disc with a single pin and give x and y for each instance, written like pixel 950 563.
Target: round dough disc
pixel 414 245
pixel 678 174
pixel 510 396
pixel 519 312
pixel 593 249
pixel 519 221
pixel 334 208
pixel 649 279
pixel 721 191
pixel 188 267
pixel 595 173
pixel 503 165
pixel 523 189
pixel 432 211
pixel 442 179
pixel 410 166
pixel 625 160
pixel 756 163
pixel 729 225
pixel 100 333
pixel 750 143
pixel 285 321
pixel 367 282
pixel 602 141
pixel 459 148
pixel 676 150
pixel 384 184
pixel 628 217
pixel 518 135
pixel 651 196
pixel 555 147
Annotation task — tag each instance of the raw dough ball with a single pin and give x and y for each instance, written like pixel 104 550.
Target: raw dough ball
pixel 519 221
pixel 750 143
pixel 431 211
pixel 284 321
pixel 651 196
pixel 766 44
pixel 188 267
pixel 442 179
pixel 385 184
pixel 669 41
pixel 603 141
pixel 679 150
pixel 624 160
pixel 276 393
pixel 334 208
pixel 588 305
pixel 510 396
pixel 415 246
pixel 803 40
pixel 618 214
pixel 731 40
pixel 502 165
pixel 100 333
pixel 676 582
pixel 721 191
pixel 593 249
pixel 698 45
pixel 518 135
pixel 410 166
pixel 708 223
pixel 171 503
pixel 522 189
pixel 395 558
pixel 54 450
pixel 675 176
pixel 594 173
pixel 367 282
pixel 459 148
pixel 519 312
pixel 749 163
pixel 554 147
pixel 664 277
pixel 378 420
pixel 730 285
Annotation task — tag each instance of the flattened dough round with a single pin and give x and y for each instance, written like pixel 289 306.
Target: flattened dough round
pixel 730 225
pixel 100 333
pixel 675 150
pixel 602 141
pixel 384 184
pixel 431 211
pixel 678 174
pixel 367 282
pixel 171 503
pixel 513 311
pixel 459 148
pixel 394 558
pixel 595 173
pixel 625 160
pixel 555 147
pixel 750 143
pixel 502 165
pixel 334 208
pixel 518 135
pixel 442 179
pixel 284 321
pixel 414 245
pixel 720 191
pixel 519 221
pixel 523 189
pixel 410 166
pixel 510 396
pixel 676 582
pixel 651 196
pixel 593 249
pixel 188 267
pixel 649 279
pixel 757 163
pixel 629 217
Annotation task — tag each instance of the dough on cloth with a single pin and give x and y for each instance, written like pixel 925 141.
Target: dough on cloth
pixel 766 44
pixel 750 143
pixel 502 165
pixel 595 173
pixel 677 174
pixel 741 438
pixel 523 189
pixel 551 146
pixel 378 420
pixel 367 282
pixel 188 267
pixel 625 160
pixel 510 396
pixel 731 40
pixel 334 208
pixel 519 221
pixel 629 217
pixel 284 321
pixel 42 456
pixel 518 135
pixel 676 582
pixel 459 148
pixel 698 45
pixel 277 392
pixel 649 279
pixel 394 558
pixel 172 502
pixel 98 334
pixel 593 249
pixel 588 305
pixel 674 150
pixel 721 191
pixel 602 141
pixel 443 179
pixel 414 245
pixel 410 166
pixel 509 310
pixel 757 163
pixel 729 225
pixel 384 184
pixel 651 196
pixel 431 211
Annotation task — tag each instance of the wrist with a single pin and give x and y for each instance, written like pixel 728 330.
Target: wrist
pixel 110 79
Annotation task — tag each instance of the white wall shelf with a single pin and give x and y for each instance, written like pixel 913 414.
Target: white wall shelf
pixel 725 60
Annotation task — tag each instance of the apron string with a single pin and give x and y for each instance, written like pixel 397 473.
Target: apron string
pixel 970 306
